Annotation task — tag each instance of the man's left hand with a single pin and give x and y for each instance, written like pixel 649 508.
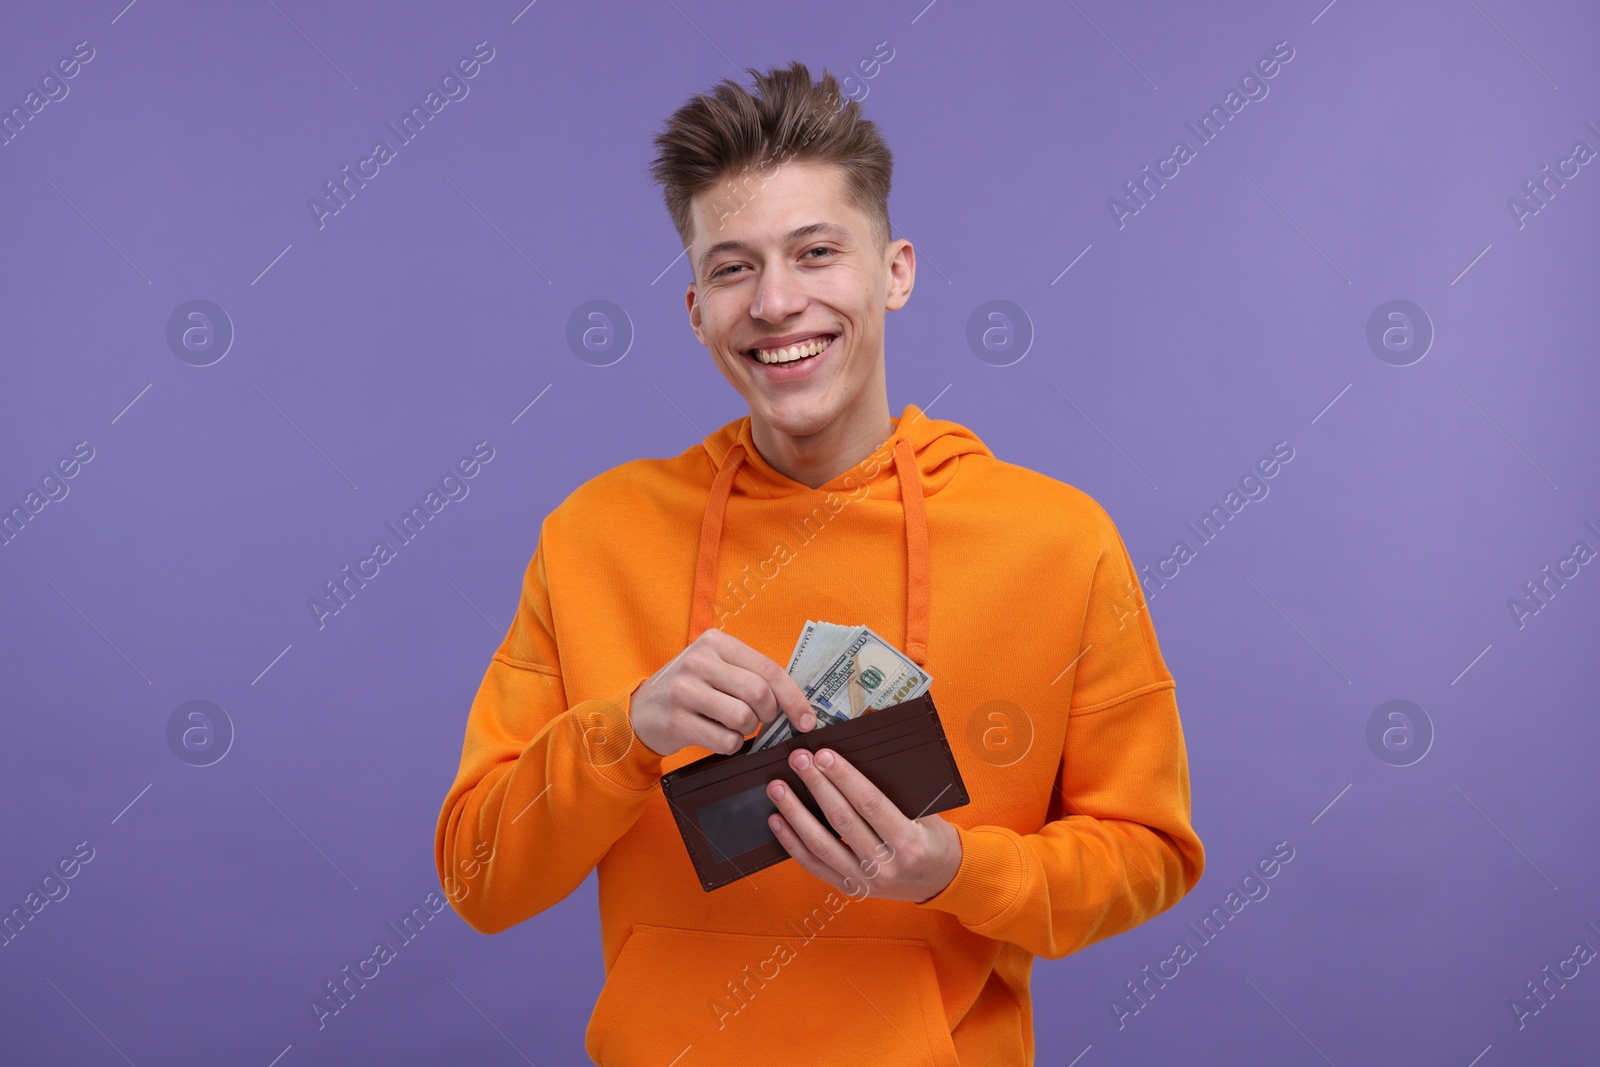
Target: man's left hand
pixel 900 858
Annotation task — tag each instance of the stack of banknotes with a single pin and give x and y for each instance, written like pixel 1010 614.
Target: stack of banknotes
pixel 845 671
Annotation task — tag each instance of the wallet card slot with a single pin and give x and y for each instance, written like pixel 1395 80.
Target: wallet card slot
pixel 861 756
pixel 841 742
pixel 905 717
pixel 712 769
pixel 737 823
pixel 901 717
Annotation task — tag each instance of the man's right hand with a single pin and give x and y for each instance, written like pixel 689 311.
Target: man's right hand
pixel 713 694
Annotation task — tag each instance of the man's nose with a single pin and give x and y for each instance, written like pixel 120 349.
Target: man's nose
pixel 778 296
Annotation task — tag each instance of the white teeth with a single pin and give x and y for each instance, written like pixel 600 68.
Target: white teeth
pixel 793 352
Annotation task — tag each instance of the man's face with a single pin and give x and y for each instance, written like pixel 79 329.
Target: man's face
pixel 792 261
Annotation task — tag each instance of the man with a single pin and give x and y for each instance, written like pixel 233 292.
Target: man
pixel 909 941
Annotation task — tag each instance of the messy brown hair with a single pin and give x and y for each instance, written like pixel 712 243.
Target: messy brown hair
pixel 731 136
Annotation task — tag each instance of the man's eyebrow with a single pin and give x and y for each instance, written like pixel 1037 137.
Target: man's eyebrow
pixel 812 230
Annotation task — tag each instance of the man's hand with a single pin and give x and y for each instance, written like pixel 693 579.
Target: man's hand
pixel 902 858
pixel 712 694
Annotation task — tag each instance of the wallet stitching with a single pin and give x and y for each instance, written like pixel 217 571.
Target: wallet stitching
pixel 685 826
pixel 707 878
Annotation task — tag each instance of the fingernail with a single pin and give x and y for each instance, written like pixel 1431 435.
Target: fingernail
pixel 779 791
pixel 802 759
pixel 825 758
pixel 807 721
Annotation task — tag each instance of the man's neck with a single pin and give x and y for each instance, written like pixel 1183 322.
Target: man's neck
pixel 818 458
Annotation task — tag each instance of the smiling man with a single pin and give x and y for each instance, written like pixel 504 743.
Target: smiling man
pixel 660 591
pixel 795 319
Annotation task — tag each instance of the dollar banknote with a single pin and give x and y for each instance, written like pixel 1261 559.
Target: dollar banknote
pixel 845 672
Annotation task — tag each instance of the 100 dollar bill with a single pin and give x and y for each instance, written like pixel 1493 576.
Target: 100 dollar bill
pixel 846 671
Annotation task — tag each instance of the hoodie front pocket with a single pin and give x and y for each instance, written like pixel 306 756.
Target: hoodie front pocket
pixel 693 998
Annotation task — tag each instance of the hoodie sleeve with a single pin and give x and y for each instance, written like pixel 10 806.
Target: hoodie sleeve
pixel 543 789
pixel 1117 847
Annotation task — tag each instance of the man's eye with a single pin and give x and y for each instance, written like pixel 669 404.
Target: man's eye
pixel 736 266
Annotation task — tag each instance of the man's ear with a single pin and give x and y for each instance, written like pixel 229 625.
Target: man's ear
pixel 902 267
pixel 693 306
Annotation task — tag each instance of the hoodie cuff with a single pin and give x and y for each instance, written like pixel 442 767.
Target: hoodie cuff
pixel 638 768
pixel 988 881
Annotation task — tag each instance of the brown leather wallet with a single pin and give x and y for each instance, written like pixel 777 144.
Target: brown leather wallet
pixel 721 805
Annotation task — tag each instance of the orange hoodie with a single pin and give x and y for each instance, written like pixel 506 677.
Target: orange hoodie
pixel 1012 589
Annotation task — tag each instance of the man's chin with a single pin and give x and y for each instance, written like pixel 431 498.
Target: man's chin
pixel 797 416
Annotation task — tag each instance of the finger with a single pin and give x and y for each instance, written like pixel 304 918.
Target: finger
pixel 714 718
pixel 802 855
pixel 850 885
pixel 841 814
pixel 887 821
pixel 693 690
pixel 713 736
pixel 712 702
pixel 790 698
pixel 816 838
pixel 749 689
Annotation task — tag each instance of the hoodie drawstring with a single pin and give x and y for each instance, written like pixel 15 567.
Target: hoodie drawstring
pixel 705 571
pixel 916 552
pixel 916 524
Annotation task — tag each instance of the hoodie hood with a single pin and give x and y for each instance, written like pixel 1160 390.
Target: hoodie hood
pixel 919 458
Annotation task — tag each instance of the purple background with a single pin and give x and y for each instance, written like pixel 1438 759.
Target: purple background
pixel 1230 313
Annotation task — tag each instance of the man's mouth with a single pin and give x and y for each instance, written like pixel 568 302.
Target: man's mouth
pixel 792 353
